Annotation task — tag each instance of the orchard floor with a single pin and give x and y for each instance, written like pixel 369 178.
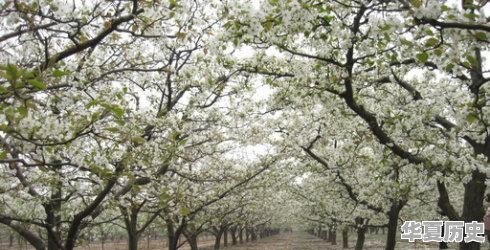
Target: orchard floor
pixel 304 241
pixel 284 241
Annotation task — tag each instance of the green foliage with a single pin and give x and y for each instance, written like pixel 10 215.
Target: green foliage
pixel 422 57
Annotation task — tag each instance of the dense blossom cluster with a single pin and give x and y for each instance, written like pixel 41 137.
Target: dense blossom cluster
pixel 239 116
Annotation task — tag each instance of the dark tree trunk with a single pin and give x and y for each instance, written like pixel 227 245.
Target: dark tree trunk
pixel 225 237
pixel 240 235
pixel 133 241
pixel 217 240
pixel 323 235
pixel 361 236
pixel 345 238
pixel 192 240
pixel 253 234
pixel 233 235
pixel 474 193
pixel 173 234
pixel 442 244
pixel 332 236
pixel 53 210
pixel 393 215
pixel 131 223
pixel 11 240
pixel 171 240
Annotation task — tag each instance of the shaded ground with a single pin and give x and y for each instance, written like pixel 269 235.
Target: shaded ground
pixel 304 241
pixel 285 241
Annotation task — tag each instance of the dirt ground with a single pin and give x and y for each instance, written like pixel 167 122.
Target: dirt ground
pixel 304 241
pixel 285 241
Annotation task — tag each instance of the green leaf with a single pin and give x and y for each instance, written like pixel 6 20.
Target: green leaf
pixel 449 67
pixel 37 84
pixel 164 197
pixel 12 73
pixel 472 60
pixel 416 3
pixel 274 2
pixel 472 117
pixel 184 211
pixel 3 154
pixel 438 52
pixel 117 111
pixel 481 36
pixel 406 42
pixel 138 140
pixel 172 4
pixel 114 109
pixel 91 103
pixel 59 73
pixel 431 42
pixel 385 27
pixel 422 57
pixel 23 111
pixel 471 16
pixel 113 129
pixel 181 35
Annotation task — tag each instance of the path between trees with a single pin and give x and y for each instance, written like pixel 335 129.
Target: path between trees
pixel 284 241
pixel 305 241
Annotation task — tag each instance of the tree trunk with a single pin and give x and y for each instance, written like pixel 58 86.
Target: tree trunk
pixel 240 235
pixel 53 218
pixel 233 235
pixel 474 193
pixel 192 240
pixel 11 240
pixel 332 236
pixel 345 237
pixel 217 239
pixel 171 240
pixel 133 241
pixel 361 236
pixel 442 244
pixel 131 222
pixel 173 234
pixel 393 215
pixel 253 234
pixel 225 237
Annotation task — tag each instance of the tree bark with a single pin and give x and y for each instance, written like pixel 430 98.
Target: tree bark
pixel 173 234
pixel 171 240
pixel 192 240
pixel 361 236
pixel 217 238
pixel 133 241
pixel 253 234
pixel 233 235
pixel 332 235
pixel 53 209
pixel 240 235
pixel 225 237
pixel 131 223
pixel 345 237
pixel 474 193
pixel 393 215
